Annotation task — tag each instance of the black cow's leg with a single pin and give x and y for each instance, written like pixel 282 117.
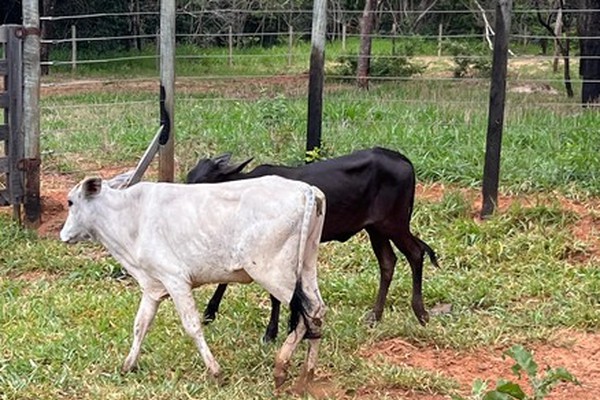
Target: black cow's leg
pixel 273 327
pixel 387 263
pixel 410 247
pixel 210 313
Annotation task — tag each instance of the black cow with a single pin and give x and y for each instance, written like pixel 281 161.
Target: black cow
pixel 369 189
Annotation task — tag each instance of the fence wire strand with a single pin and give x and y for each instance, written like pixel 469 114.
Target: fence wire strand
pixel 239 54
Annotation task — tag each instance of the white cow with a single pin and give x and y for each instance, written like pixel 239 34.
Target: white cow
pixel 174 237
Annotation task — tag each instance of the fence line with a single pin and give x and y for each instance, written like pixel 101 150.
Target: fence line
pixel 342 78
pixel 574 104
pixel 303 33
pixel 302 11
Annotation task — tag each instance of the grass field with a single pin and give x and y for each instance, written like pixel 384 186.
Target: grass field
pixel 527 275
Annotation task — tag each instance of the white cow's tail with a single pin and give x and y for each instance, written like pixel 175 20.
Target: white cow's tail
pixel 306 225
pixel 315 207
pixel 300 305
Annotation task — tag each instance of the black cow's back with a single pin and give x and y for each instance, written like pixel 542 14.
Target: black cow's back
pixel 361 188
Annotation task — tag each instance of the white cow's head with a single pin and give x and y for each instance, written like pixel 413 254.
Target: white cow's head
pixel 82 211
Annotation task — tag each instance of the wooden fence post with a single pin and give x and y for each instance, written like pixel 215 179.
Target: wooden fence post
pixel 166 156
pixel 290 44
pixel 491 170
pixel 440 39
pixel 316 75
pixel 31 112
pixel 73 48
pixel 394 31
pixel 230 41
pixel 14 118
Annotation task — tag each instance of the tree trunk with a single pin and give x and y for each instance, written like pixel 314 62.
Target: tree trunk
pixel 137 26
pixel 364 56
pixel 557 34
pixel 46 32
pixel 588 24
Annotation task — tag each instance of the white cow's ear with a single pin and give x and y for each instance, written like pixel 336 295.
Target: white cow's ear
pixel 91 187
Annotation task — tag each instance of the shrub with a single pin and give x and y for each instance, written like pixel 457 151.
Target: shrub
pixel 381 66
pixel 470 61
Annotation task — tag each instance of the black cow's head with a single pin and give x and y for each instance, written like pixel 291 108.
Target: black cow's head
pixel 212 170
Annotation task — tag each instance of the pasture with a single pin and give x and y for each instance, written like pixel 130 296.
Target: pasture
pixel 529 275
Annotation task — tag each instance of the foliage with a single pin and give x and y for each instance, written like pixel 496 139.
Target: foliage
pixel 380 66
pixel 315 154
pixel 470 61
pixel 540 385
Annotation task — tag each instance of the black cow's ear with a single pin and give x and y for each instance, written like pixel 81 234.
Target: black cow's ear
pixel 233 169
pixel 91 187
pixel 222 159
pixel 120 181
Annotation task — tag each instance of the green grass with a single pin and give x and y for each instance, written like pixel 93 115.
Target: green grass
pixel 65 322
pixel 544 148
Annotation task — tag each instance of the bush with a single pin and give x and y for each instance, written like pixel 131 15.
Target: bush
pixel 470 61
pixel 381 66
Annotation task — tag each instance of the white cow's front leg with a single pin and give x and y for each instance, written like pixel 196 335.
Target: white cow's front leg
pixel 186 307
pixel 143 320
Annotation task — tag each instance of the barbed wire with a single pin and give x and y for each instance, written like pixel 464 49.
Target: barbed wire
pixel 444 39
pixel 472 79
pixel 302 11
pixel 286 34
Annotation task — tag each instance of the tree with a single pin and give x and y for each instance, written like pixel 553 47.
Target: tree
pixel 588 26
pixel 46 9
pixel 560 47
pixel 367 23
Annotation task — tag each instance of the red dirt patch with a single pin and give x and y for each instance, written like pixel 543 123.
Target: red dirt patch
pixel 577 352
pixel 243 88
pixel 586 228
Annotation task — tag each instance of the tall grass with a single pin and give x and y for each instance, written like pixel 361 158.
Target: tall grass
pixel 444 135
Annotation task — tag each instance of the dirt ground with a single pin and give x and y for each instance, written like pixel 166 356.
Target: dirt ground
pixel 578 352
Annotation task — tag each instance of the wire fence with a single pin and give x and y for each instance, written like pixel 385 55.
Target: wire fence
pixel 235 55
pixel 233 42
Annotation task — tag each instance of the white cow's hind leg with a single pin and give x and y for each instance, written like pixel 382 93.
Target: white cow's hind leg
pixel 186 307
pixel 308 369
pixel 315 322
pixel 282 360
pixel 143 320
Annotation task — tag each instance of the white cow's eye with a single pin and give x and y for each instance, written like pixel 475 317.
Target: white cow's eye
pixel 69 203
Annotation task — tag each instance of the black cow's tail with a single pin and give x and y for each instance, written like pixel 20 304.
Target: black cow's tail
pixel 429 252
pixel 299 308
